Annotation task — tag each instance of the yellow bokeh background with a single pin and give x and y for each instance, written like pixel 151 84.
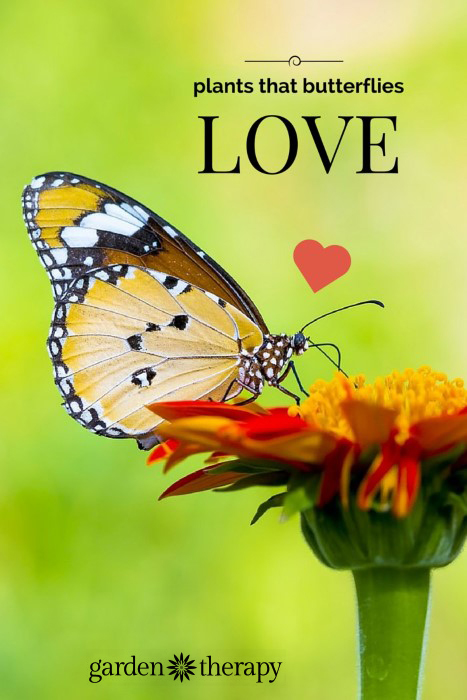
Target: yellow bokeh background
pixel 92 566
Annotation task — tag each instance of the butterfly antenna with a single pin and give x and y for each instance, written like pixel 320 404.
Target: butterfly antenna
pixel 319 346
pixel 344 308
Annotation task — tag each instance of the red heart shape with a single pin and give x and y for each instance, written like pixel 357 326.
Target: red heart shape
pixel 320 266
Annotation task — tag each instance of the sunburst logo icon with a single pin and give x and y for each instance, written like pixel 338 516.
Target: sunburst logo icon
pixel 181 667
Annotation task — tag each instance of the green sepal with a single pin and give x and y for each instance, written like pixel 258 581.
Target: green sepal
pixel 445 458
pixel 265 479
pixel 248 466
pixel 302 493
pixel 275 501
pixel 431 535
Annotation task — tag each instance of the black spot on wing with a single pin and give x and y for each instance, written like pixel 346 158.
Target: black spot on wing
pixel 135 341
pixel 180 322
pixel 115 272
pixel 150 327
pixel 170 282
pixel 143 377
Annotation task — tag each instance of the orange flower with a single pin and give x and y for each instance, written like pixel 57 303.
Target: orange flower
pixel 377 439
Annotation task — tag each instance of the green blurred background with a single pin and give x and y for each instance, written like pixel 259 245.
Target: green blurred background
pixel 93 567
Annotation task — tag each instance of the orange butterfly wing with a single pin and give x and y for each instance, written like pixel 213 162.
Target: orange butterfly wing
pixel 123 337
pixel 142 314
pixel 77 224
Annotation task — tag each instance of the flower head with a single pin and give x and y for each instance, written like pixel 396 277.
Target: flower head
pixel 371 448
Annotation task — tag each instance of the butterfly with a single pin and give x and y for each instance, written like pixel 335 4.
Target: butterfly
pixel 141 313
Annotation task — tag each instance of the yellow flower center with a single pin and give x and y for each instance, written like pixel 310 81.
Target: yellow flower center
pixel 414 394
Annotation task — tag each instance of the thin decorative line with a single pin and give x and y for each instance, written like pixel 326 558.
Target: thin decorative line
pixel 294 60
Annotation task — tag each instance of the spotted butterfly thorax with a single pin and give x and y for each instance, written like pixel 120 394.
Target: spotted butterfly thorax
pixel 141 313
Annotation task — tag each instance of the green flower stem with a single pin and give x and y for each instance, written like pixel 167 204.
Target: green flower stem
pixel 392 624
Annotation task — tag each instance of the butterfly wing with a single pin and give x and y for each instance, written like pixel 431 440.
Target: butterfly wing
pixel 123 337
pixel 77 224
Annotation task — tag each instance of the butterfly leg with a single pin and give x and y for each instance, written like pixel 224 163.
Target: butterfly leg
pixel 240 403
pixel 287 392
pixel 276 383
pixel 249 400
pixel 229 389
pixel 284 375
pixel 295 373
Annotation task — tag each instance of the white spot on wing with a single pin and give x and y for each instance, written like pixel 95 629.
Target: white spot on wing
pixel 62 273
pixel 113 431
pixel 172 233
pixel 60 255
pixel 65 386
pixel 77 237
pixel 212 296
pixel 135 211
pixel 159 276
pixel 141 213
pixel 37 182
pixel 104 222
pixel 119 212
pixel 180 286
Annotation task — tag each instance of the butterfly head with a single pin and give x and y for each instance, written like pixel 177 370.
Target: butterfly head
pixel 299 343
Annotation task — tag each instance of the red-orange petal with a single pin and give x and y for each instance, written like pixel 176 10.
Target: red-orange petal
pixel 371 424
pixel 173 410
pixel 201 480
pixel 408 479
pixel 162 451
pixel 380 467
pixel 183 451
pixel 332 472
pixel 433 434
pixel 274 426
pixel 300 450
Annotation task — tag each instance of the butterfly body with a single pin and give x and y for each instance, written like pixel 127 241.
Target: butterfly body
pixel 142 314
pixel 268 362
